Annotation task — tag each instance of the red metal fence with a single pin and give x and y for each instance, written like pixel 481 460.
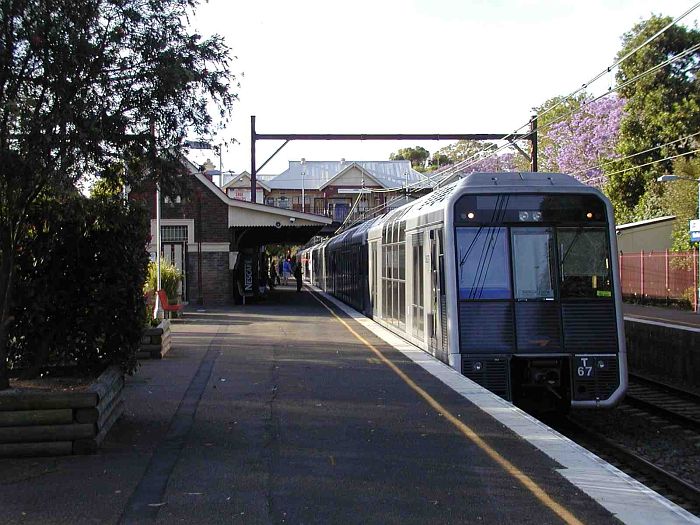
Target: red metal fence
pixel 660 276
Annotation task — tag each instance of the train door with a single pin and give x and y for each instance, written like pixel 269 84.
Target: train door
pixel 373 278
pixel 418 296
pixel 437 326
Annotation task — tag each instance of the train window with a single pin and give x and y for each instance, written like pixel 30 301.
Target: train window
pixel 532 263
pixel 584 259
pixel 483 263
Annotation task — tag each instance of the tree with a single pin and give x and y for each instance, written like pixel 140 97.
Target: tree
pixel 581 143
pixel 89 84
pixel 461 150
pixel 662 107
pixel 553 112
pixel 478 155
pixel 680 198
pixel 494 163
pixel 417 156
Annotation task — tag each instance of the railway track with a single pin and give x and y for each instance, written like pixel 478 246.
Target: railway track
pixel 676 405
pixel 666 483
pixel 661 402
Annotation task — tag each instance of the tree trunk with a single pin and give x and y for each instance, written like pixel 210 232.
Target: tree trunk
pixel 7 263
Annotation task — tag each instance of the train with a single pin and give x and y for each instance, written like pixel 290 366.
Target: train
pixel 510 278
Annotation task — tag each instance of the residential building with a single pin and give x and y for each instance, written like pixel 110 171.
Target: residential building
pixel 332 188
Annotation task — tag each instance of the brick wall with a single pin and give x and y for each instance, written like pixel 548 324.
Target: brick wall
pixel 214 212
pixel 216 278
pixel 663 351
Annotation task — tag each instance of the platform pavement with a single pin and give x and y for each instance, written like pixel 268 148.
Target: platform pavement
pixel 661 314
pixel 274 413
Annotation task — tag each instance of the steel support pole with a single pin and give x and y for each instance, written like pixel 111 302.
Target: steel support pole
pixel 533 143
pixel 253 171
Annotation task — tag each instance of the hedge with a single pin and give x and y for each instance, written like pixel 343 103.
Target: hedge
pixel 78 295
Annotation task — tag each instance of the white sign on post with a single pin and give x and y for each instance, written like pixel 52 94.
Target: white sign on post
pixel 695 230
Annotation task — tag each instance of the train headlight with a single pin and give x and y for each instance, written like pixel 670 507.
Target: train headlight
pixel 601 364
pixel 470 215
pixel 477 366
pixel 529 216
pixel 589 215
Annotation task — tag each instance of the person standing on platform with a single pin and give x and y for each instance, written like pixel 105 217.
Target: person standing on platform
pixel 286 271
pixel 274 278
pixel 297 275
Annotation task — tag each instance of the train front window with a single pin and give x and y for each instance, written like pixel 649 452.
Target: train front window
pixel 483 265
pixel 533 263
pixel 584 258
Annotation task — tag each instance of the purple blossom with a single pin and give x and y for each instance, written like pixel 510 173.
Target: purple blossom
pixel 494 163
pixel 586 140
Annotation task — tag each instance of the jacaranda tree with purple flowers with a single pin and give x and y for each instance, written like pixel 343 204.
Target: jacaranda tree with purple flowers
pixel 584 142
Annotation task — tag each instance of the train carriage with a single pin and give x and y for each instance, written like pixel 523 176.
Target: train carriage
pixel 508 277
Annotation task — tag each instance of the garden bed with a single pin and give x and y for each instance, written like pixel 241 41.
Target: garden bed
pixel 51 419
pixel 155 342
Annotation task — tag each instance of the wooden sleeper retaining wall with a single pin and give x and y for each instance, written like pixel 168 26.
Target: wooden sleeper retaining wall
pixel 155 342
pixel 59 423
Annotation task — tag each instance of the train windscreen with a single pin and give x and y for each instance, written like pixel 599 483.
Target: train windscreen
pixel 585 262
pixel 532 247
pixel 483 263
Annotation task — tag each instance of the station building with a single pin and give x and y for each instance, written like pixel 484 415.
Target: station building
pixel 216 236
pixel 217 240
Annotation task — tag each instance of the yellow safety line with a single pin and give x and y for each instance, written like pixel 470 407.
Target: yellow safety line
pixel 514 471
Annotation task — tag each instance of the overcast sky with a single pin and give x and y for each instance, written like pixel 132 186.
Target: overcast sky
pixel 408 66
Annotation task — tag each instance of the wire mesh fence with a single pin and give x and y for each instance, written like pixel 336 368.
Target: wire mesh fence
pixel 660 277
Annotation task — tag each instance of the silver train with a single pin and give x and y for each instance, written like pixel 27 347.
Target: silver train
pixel 509 278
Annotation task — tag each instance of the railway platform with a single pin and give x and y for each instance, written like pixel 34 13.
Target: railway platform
pixel 295 410
pixel 670 316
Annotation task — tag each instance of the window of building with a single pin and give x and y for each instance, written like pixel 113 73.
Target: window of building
pixel 173 233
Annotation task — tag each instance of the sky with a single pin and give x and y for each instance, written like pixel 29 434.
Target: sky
pixel 407 66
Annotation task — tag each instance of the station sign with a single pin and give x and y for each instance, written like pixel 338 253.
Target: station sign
pixel 695 230
pixel 354 190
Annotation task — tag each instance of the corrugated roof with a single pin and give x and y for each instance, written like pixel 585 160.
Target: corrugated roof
pixel 646 222
pixel 389 173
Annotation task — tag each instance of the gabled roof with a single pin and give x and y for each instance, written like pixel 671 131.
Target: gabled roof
pixel 262 208
pixel 348 168
pixel 317 174
pixel 244 176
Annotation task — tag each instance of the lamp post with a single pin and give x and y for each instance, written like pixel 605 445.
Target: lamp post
pixel 303 168
pixel 671 178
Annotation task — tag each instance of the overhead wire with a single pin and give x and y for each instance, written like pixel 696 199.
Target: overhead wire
pixel 476 157
pixel 649 163
pixel 596 78
pixel 626 157
pixel 588 102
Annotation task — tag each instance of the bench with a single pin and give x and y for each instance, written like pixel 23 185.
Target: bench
pixel 165 305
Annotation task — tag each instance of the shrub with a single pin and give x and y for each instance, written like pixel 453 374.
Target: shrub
pixel 79 286
pixel 170 279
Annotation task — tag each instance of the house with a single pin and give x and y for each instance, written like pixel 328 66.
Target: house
pixel 331 188
pixel 238 187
